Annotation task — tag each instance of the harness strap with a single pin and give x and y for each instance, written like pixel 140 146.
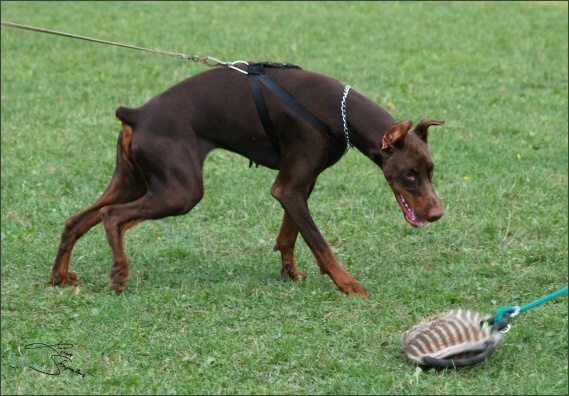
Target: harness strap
pixel 264 112
pixel 257 77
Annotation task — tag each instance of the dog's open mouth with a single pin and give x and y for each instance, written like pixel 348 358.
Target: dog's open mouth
pixel 410 214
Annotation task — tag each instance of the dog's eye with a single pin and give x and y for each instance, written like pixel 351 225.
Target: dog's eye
pixel 409 176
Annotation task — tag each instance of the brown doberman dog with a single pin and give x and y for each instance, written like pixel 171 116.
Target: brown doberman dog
pixel 299 123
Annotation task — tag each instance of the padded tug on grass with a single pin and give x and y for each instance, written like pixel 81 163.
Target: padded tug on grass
pixel 454 339
pixel 461 338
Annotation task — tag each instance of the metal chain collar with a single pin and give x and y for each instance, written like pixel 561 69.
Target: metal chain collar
pixel 348 143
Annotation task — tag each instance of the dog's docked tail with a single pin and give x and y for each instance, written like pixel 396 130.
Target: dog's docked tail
pixel 128 118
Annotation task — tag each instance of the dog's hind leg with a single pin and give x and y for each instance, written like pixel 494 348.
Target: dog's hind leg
pixel 174 178
pixel 164 198
pixel 125 186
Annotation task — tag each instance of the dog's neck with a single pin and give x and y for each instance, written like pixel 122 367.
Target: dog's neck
pixel 367 123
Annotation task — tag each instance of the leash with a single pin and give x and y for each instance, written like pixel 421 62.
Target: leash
pixel 514 311
pixel 208 61
pixel 257 77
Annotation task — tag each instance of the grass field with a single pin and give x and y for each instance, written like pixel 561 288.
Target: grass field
pixel 206 311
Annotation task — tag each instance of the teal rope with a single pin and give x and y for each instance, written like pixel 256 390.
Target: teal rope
pixel 505 310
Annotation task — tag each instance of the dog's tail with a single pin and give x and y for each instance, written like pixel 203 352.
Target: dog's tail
pixel 128 118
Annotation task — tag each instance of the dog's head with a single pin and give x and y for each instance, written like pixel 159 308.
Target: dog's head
pixel 408 168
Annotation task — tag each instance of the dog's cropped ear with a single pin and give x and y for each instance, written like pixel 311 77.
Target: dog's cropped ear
pixel 422 128
pixel 396 134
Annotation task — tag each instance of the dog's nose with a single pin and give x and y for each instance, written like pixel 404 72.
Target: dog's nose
pixel 435 213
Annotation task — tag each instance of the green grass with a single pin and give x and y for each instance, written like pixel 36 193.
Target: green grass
pixel 205 311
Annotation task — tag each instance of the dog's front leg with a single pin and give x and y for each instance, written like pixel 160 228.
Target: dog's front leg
pixel 285 244
pixel 293 198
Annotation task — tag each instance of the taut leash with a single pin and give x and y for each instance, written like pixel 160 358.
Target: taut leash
pixel 208 61
pixel 257 77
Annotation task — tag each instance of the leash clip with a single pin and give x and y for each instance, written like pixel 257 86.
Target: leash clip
pixel 513 314
pixel 210 61
pixel 516 311
pixel 231 65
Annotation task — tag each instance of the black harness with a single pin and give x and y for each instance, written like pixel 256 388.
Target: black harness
pixel 257 77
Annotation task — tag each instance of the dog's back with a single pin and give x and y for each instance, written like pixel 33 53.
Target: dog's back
pixel 216 108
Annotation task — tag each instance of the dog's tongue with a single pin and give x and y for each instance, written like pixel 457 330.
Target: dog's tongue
pixel 410 214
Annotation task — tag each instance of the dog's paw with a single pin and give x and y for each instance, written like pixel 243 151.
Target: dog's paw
pixel 118 282
pixel 119 287
pixel 119 275
pixel 289 272
pixel 358 289
pixel 62 281
pixel 351 287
